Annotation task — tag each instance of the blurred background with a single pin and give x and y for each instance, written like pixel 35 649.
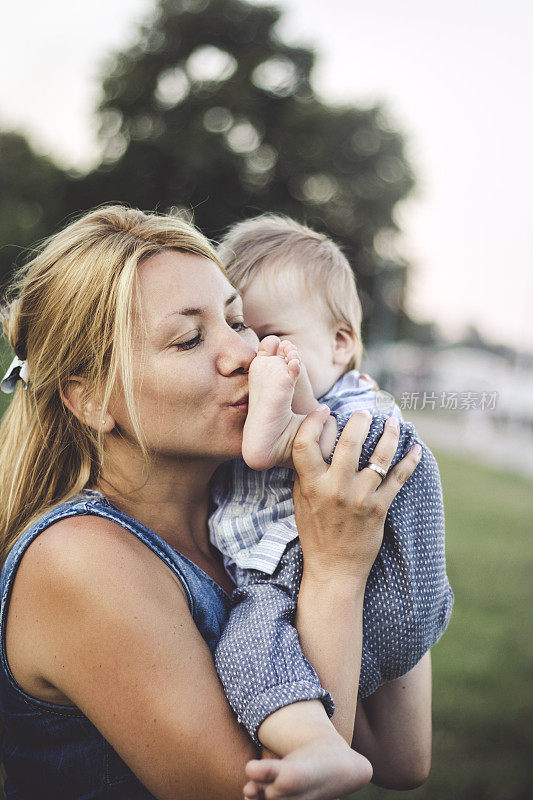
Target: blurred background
pixel 404 132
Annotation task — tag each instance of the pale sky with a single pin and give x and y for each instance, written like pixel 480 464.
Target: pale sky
pixel 456 76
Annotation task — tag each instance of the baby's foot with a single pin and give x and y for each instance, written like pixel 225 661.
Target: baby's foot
pixel 317 771
pixel 304 400
pixel 271 425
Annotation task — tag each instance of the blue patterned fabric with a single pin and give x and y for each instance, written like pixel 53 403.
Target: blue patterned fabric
pixel 407 605
pixel 52 751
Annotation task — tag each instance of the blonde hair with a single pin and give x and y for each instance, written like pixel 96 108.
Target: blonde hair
pixel 71 314
pixel 271 241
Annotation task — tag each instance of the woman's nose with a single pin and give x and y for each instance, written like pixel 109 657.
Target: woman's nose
pixel 237 351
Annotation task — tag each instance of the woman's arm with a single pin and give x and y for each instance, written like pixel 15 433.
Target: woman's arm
pixel 107 623
pixel 393 729
pixel 340 515
pixel 329 624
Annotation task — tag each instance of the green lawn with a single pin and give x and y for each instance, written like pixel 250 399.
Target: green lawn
pixel 482 667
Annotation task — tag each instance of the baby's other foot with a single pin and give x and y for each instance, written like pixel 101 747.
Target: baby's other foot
pixel 271 425
pixel 315 771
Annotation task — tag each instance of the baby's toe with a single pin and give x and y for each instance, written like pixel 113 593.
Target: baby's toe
pixel 268 346
pixel 293 367
pixel 288 350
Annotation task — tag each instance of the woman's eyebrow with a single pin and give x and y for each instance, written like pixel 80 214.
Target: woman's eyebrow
pixel 196 312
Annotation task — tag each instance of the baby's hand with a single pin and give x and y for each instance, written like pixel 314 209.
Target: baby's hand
pixel 367 378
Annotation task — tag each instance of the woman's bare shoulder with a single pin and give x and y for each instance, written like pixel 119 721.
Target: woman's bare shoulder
pixel 81 553
pixel 81 568
pixel 82 533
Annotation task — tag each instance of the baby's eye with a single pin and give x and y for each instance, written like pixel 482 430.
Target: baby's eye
pixel 239 326
pixel 190 343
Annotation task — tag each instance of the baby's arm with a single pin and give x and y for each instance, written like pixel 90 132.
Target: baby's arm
pixel 266 677
pixel 258 657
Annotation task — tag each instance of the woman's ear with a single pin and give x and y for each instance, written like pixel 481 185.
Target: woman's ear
pixel 343 346
pixel 74 395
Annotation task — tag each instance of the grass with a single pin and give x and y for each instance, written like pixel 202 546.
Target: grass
pixel 483 697
pixel 482 667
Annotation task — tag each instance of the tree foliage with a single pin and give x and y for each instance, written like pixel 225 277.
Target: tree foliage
pixel 32 199
pixel 210 111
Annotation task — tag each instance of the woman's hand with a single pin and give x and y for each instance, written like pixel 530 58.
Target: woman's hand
pixel 340 512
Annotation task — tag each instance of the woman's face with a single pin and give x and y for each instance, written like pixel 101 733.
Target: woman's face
pixel 192 352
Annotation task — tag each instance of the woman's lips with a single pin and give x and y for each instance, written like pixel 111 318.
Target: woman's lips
pixel 241 405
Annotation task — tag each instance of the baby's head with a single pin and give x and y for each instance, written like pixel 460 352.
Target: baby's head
pixel 297 284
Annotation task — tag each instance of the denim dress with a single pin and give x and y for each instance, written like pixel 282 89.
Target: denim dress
pixel 51 751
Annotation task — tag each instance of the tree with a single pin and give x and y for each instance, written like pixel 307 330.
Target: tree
pixel 32 199
pixel 210 111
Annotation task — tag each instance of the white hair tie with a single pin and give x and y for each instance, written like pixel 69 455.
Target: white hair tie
pixel 17 371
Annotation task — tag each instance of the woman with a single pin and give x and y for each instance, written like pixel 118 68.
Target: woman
pixel 136 357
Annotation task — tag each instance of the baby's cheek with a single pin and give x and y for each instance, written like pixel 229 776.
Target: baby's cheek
pixel 319 380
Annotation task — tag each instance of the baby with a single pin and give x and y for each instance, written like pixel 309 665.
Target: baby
pixel 296 284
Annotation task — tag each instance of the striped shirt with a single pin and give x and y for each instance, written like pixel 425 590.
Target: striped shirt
pixel 254 517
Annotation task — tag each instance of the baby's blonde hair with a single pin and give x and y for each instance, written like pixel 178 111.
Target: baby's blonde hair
pixel 271 241
pixel 70 314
